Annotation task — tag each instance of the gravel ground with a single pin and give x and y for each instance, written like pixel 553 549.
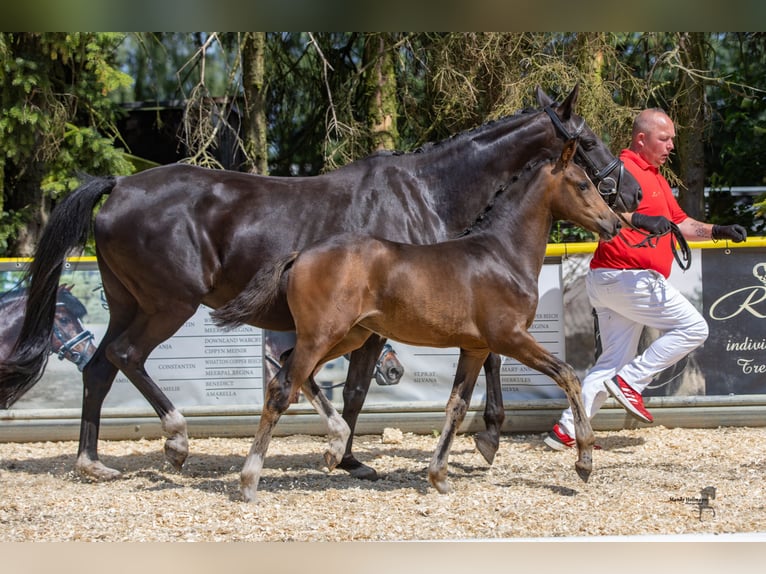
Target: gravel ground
pixel 646 481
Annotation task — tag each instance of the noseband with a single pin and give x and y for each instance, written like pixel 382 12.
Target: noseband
pixel 607 186
pixel 66 350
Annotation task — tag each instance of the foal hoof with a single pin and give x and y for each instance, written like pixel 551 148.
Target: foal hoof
pixel 330 460
pixel 583 470
pixel 357 469
pixel 487 444
pixel 440 484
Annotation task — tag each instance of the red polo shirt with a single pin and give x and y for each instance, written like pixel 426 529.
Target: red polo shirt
pixel 657 200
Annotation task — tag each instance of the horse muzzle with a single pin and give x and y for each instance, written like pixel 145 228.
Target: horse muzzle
pixel 79 358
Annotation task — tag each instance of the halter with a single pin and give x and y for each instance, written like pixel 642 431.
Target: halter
pixel 607 186
pixel 66 351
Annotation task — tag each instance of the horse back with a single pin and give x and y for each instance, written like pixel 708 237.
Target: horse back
pixel 207 232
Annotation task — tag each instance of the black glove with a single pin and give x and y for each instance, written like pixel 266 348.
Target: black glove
pixel 735 232
pixel 655 224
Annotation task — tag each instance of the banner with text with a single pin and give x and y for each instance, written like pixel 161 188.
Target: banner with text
pixel 734 300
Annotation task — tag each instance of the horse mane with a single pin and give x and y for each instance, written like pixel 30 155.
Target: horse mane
pixel 72 303
pixel 517 179
pixel 465 134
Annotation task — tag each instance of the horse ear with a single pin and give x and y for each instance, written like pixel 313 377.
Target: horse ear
pixel 565 110
pixel 543 99
pixel 568 153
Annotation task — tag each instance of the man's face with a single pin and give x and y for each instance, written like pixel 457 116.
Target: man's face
pixel 657 142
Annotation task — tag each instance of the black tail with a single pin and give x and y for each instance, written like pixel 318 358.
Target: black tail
pixel 254 299
pixel 68 227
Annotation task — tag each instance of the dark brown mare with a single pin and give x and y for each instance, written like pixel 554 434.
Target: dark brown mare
pixel 172 237
pixel 478 293
pixel 69 339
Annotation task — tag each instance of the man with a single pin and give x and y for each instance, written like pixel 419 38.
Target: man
pixel 628 290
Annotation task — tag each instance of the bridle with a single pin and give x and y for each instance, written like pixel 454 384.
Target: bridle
pixel 66 350
pixel 602 178
pixel 611 196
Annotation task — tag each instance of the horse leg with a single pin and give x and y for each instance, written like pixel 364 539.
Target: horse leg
pixel 277 399
pixel 467 372
pixel 360 371
pixel 298 366
pixel 488 441
pixel 129 351
pixel 338 431
pixel 98 376
pixel 527 350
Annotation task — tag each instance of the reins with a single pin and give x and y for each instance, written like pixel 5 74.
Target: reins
pixel 678 242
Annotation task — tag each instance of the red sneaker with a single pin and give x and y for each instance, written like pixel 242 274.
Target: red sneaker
pixel 557 439
pixel 628 398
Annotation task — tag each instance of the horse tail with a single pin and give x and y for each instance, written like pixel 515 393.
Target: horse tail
pixel 259 294
pixel 68 227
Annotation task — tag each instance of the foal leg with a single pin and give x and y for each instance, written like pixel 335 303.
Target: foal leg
pixel 338 431
pixel 467 372
pixel 527 350
pixel 488 441
pixel 299 366
pixel 276 402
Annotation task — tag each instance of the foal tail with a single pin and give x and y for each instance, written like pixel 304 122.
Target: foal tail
pixel 259 294
pixel 68 227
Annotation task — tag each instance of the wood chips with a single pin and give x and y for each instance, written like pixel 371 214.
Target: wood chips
pixel 645 481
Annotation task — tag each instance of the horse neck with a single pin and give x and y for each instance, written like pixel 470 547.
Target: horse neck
pixel 520 220
pixel 486 159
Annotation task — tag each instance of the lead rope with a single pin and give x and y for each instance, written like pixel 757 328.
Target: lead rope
pixel 678 243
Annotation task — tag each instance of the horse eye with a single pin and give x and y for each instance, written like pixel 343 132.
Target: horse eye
pixel 587 144
pixel 584 185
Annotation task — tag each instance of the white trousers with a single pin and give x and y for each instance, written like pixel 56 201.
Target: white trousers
pixel 625 301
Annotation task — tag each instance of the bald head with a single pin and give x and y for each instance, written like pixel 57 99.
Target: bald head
pixel 652 138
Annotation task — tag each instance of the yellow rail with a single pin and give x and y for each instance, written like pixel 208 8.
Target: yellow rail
pixel 553 249
pixel 564 249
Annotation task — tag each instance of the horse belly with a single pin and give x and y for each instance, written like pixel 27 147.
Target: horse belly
pixel 424 318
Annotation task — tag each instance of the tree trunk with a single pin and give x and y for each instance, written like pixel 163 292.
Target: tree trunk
pixel 691 124
pixel 254 120
pixel 380 83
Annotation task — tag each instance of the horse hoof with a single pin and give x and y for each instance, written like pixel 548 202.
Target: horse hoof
pixel 357 469
pixel 440 484
pixel 177 449
pixel 174 456
pixel 487 445
pixel 330 460
pixel 248 494
pixel 583 470
pixel 96 470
